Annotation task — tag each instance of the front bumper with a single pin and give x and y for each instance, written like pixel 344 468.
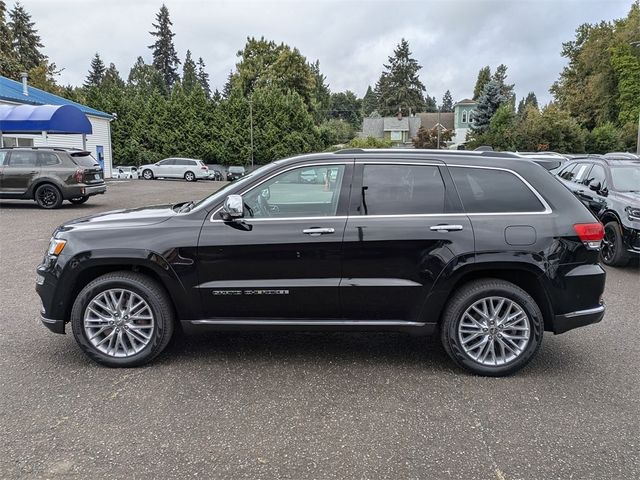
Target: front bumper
pixel 569 321
pixel 56 326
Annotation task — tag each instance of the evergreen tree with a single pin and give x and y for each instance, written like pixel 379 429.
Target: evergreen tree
pixel 321 94
pixel 96 72
pixel 190 78
pixel 165 58
pixel 529 101
pixel 399 87
pixel 484 75
pixel 500 76
pixel 8 64
pixel 227 88
pixel 25 39
pixel 203 78
pixel 369 102
pixel 447 102
pixel 112 79
pixel 146 78
pixel 348 107
pixel 488 103
pixel 430 104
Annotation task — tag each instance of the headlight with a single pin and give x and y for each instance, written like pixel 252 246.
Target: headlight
pixel 56 245
pixel 633 213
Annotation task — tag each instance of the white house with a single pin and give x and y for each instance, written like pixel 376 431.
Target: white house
pixel 98 142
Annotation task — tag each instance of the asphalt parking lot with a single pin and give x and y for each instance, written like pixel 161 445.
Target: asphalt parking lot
pixel 297 406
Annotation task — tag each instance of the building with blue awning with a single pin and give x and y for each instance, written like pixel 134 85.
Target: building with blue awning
pixel 32 117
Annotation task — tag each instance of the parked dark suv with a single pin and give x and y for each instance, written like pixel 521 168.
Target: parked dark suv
pixel 611 189
pixel 489 250
pixel 49 175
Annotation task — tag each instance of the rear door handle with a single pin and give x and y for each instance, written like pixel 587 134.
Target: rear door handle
pixel 318 231
pixel 445 228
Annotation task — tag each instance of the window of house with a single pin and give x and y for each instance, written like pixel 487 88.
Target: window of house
pixel 492 191
pixel 301 192
pixel 464 116
pixel 17 142
pixel 401 190
pixel 396 136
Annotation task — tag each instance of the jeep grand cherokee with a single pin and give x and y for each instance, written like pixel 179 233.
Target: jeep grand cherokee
pixel 486 249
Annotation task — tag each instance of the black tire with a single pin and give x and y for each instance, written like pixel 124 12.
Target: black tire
pixel 48 196
pixel 149 290
pixel 79 200
pixel 190 176
pixel 147 174
pixel 464 298
pixel 613 252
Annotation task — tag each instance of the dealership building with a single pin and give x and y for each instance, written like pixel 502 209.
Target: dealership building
pixel 98 142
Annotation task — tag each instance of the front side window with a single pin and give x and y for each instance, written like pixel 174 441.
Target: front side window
pixel 493 191
pixel 401 190
pixel 302 192
pixel 23 159
pixel 567 172
pixel 596 177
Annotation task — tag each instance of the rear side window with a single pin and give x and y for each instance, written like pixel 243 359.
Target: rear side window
pixel 24 159
pixel 580 173
pixel 84 160
pixel 567 172
pixel 402 189
pixel 47 159
pixel 493 191
pixel 183 162
pixel 3 156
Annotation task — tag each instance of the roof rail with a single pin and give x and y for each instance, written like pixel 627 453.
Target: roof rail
pixel 417 151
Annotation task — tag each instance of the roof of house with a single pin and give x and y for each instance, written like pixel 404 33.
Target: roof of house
pixel 466 101
pixel 430 120
pixel 11 91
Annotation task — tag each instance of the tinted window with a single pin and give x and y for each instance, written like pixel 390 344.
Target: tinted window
pixel 22 159
pixel 3 156
pixel 492 191
pixel 291 194
pixel 84 160
pixel 47 159
pixel 181 161
pixel 596 175
pixel 567 172
pixel 401 189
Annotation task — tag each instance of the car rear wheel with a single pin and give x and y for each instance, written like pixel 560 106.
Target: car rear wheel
pixel 48 196
pixel 492 327
pixel 79 200
pixel 147 174
pixel 122 319
pixel 613 252
pixel 190 177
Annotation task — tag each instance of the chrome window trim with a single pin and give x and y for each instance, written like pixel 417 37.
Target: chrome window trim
pixel 547 209
pixel 293 167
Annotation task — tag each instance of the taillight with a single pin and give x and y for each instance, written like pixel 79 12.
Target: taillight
pixel 591 234
pixel 204 168
pixel 79 175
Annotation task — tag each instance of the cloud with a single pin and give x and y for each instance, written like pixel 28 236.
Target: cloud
pixel 451 39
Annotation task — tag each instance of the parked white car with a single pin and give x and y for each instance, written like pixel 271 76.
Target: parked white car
pixel 125 172
pixel 188 168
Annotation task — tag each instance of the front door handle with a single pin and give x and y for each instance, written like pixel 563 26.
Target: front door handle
pixel 318 231
pixel 446 228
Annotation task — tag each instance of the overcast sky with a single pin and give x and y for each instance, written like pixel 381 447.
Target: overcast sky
pixel 451 39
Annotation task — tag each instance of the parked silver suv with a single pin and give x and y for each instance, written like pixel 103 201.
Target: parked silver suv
pixel 188 168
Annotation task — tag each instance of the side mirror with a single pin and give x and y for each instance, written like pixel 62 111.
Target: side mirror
pixel 233 207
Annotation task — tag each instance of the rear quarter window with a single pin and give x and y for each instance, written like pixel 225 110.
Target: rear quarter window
pixel 493 191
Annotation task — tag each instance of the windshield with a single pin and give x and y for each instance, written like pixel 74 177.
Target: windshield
pixel 219 194
pixel 626 179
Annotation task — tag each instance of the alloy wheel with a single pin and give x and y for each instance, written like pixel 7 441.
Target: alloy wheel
pixel 118 322
pixel 608 245
pixel 47 196
pixel 147 174
pixel 494 331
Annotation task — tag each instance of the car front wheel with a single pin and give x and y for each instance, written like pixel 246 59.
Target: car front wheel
pixel 492 327
pixel 613 252
pixel 122 319
pixel 147 174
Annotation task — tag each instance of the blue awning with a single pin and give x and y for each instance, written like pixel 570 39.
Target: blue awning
pixel 43 118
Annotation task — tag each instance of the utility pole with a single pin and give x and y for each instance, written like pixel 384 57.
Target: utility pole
pixel 439 110
pixel 251 128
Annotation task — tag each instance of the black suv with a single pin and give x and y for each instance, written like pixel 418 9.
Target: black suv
pixel 49 175
pixel 489 250
pixel 611 189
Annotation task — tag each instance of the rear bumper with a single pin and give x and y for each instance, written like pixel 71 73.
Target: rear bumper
pixel 569 321
pixel 86 191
